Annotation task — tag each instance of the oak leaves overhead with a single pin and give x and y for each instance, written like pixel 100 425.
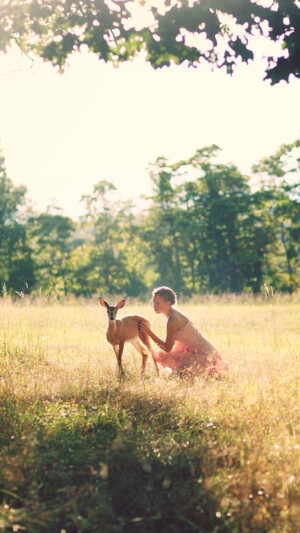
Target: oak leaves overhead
pixel 221 32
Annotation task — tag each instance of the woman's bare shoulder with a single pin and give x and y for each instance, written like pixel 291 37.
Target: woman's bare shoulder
pixel 179 318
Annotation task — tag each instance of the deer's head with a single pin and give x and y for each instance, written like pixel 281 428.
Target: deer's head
pixel 112 309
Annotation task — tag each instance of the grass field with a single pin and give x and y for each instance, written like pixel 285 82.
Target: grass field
pixel 84 451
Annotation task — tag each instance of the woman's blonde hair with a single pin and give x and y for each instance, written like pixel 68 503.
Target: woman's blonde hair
pixel 166 293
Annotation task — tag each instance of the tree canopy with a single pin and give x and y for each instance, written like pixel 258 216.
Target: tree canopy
pixel 221 32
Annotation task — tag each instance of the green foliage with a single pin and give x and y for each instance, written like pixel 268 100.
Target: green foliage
pixel 16 263
pixel 56 28
pixel 114 263
pixel 217 235
pixel 50 236
pixel 206 230
pixel 281 188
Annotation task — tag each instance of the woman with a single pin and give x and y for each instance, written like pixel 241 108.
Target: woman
pixel 184 348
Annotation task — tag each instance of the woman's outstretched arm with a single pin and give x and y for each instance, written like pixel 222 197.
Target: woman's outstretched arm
pixel 166 345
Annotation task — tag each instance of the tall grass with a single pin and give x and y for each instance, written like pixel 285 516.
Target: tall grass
pixel 84 451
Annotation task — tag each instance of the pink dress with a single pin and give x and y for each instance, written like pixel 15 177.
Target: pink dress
pixel 191 351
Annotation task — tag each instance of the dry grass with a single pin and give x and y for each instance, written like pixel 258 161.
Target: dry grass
pixel 206 455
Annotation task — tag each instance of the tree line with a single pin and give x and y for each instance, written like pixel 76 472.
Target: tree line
pixel 207 228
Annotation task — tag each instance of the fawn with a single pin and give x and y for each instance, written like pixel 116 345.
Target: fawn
pixel 124 330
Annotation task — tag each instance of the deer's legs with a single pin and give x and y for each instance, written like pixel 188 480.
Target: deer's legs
pixel 156 366
pixel 145 339
pixel 140 348
pixel 118 349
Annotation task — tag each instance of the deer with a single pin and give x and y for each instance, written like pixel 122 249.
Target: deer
pixel 126 329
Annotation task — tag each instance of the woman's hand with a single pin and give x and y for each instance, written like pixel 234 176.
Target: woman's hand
pixel 144 328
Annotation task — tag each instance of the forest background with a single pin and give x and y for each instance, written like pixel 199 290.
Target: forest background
pixel 205 228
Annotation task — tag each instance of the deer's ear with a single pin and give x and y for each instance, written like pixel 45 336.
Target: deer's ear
pixel 103 302
pixel 121 304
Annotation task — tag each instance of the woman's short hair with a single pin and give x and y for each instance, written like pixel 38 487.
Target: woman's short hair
pixel 166 293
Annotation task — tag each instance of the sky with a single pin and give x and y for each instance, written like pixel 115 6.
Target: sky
pixel 60 134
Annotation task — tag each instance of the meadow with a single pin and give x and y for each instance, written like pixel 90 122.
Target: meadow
pixel 82 450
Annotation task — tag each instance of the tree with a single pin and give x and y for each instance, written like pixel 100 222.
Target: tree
pixel 162 228
pixel 280 184
pixel 16 264
pixel 111 260
pixel 195 224
pixel 51 239
pixel 11 200
pixel 221 32
pixel 20 264
pixel 216 205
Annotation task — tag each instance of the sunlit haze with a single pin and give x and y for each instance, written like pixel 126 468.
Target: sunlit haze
pixel 61 134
